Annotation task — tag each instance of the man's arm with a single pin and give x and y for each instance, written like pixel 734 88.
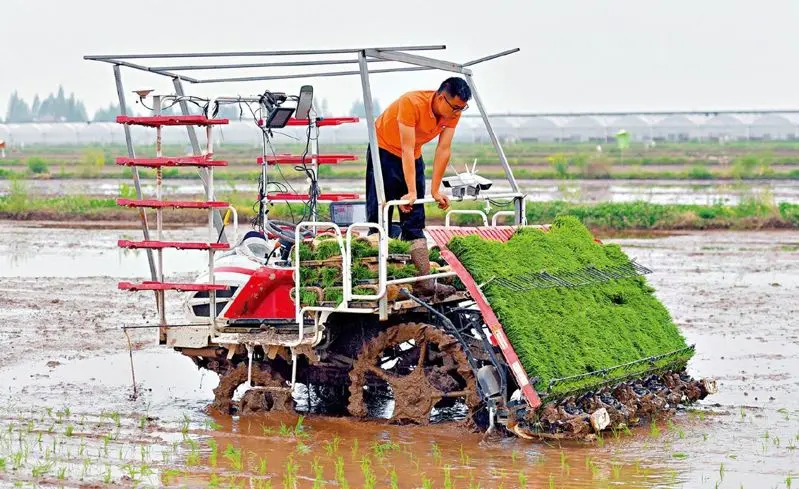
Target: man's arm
pixel 440 162
pixel 407 144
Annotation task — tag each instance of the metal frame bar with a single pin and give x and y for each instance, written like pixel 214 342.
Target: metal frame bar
pixel 320 62
pixel 304 52
pixel 368 105
pixel 417 60
pixel 491 56
pixel 307 75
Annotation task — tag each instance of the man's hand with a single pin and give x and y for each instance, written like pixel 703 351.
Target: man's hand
pixel 443 200
pixel 411 198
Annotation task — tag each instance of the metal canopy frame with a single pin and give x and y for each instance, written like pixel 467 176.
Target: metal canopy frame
pixel 405 55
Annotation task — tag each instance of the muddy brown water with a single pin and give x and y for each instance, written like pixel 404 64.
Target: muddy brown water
pixel 67 417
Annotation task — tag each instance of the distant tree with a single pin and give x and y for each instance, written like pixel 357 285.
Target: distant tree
pixel 18 110
pixel 37 104
pixel 359 110
pixel 232 112
pixel 108 114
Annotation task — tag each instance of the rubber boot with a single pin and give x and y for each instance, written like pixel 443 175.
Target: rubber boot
pixel 420 257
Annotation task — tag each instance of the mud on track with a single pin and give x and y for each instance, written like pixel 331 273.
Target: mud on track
pixel 66 417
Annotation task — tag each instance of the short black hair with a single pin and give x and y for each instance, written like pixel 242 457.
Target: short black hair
pixel 456 87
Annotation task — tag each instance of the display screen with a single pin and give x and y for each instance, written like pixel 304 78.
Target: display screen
pixel 279 117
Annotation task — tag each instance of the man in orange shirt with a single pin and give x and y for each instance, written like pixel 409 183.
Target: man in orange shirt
pixel 411 121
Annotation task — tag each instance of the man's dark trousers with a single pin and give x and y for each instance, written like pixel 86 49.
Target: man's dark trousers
pixel 412 223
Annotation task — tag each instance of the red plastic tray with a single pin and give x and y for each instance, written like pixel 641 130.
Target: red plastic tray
pixel 170 120
pixel 286 159
pixel 134 287
pixel 170 161
pixel 180 245
pixel 177 204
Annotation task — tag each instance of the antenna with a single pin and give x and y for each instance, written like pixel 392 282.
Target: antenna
pixel 143 93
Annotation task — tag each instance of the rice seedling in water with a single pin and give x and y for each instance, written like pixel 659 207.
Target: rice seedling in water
pixel 394 478
pixel 447 477
pixel 788 481
pixel 261 466
pixel 290 474
pixel 369 477
pixel 615 468
pixel 107 475
pixel 233 455
pixel 318 471
pixel 214 452
pixel 193 458
pixel 654 430
pixel 331 447
pixel 184 425
pixel 426 483
pixel 41 468
pixel 522 480
pixel 354 450
pixel 340 477
pixel 116 418
pixel 679 455
pixel 302 448
pixel 465 459
pixel 436 454
pixel 721 471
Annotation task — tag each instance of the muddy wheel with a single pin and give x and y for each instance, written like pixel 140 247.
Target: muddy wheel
pixel 254 400
pixel 417 365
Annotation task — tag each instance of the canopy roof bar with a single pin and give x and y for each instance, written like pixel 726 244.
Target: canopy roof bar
pixel 262 65
pixel 306 52
pixel 372 55
pixel 310 75
pixel 151 70
pixel 490 57
pixel 414 59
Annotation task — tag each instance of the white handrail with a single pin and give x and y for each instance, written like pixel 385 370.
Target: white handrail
pixel 473 212
pixel 235 225
pixel 501 213
pixel 382 259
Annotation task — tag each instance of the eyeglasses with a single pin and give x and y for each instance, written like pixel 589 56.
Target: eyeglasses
pixel 455 107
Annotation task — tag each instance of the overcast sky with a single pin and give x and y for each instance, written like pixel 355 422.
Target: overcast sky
pixel 575 55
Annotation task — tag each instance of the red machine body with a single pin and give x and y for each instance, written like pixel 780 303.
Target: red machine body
pixel 267 294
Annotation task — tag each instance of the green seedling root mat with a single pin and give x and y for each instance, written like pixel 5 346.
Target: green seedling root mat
pixel 573 338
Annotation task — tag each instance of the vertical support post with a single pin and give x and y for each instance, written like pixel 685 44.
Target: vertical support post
pixel 495 141
pixel 370 125
pixel 123 110
pixel 159 212
pixel 212 238
pixel 195 147
pixel 264 172
pixel 314 134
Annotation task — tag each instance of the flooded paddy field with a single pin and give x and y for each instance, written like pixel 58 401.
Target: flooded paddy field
pixel 68 417
pixel 727 192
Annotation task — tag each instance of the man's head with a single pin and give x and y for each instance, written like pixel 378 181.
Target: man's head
pixel 451 97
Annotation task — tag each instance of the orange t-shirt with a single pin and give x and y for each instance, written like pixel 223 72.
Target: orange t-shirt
pixel 413 109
